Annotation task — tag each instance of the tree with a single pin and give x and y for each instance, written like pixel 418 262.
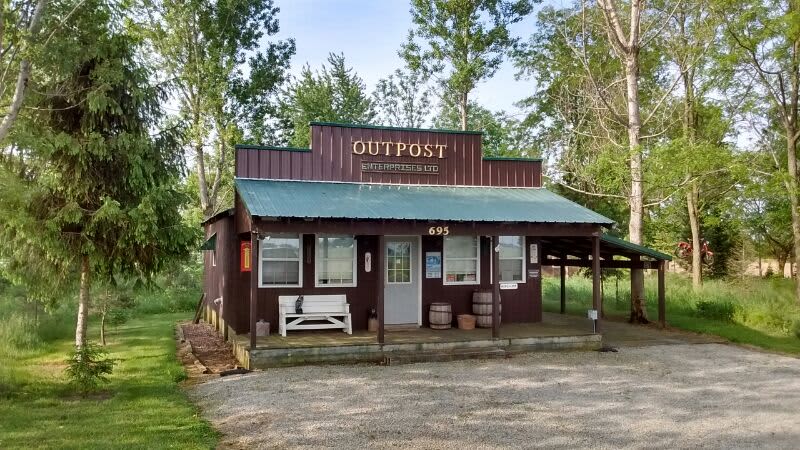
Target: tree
pixel 597 70
pixel 466 38
pixel 767 211
pixel 403 99
pixel 99 196
pixel 764 39
pixel 20 31
pixel 503 135
pixel 226 76
pixel 691 31
pixel 333 94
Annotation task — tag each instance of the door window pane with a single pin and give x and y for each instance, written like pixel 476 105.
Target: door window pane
pixel 398 262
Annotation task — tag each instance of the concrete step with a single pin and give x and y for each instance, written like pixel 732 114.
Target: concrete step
pixel 392 359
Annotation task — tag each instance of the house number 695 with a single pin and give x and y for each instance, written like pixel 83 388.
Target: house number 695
pixel 439 231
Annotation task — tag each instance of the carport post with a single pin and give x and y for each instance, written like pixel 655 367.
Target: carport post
pixel 563 289
pixel 596 278
pixel 495 287
pixel 662 320
pixel 253 287
pixel 378 263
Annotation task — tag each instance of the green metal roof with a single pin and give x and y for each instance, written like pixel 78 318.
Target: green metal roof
pixel 617 242
pixel 313 199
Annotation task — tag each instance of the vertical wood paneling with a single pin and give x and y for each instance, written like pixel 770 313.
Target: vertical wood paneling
pixel 331 159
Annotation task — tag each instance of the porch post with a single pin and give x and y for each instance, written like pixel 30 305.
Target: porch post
pixel 378 264
pixel 596 277
pixel 495 287
pixel 662 320
pixel 253 287
pixel 563 289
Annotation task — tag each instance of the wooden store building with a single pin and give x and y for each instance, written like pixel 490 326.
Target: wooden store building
pixel 377 226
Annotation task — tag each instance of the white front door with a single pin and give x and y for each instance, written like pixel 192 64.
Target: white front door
pixel 401 292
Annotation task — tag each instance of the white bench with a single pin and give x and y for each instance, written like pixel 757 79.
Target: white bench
pixel 332 310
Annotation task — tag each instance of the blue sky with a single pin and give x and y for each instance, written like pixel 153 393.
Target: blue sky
pixel 369 33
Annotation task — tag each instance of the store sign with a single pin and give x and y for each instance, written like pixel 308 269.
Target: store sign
pixel 506 286
pixel 396 149
pixel 433 264
pixel 388 167
pixel 245 257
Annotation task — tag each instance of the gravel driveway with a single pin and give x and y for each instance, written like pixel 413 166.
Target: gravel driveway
pixel 668 396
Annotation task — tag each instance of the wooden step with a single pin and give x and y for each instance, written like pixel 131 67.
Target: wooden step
pixel 392 359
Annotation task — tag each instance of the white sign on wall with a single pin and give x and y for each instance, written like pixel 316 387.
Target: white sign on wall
pixel 509 285
pixel 367 262
pixel 533 254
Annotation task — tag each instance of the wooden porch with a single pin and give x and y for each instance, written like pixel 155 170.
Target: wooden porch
pixel 555 332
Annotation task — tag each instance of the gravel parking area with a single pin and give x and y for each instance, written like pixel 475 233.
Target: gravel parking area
pixel 666 396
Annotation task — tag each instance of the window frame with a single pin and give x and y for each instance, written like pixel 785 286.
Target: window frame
pixel 410 264
pixel 299 260
pixel 522 258
pixel 477 259
pixel 318 260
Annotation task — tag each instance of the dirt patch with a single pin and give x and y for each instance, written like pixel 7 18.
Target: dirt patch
pixel 203 352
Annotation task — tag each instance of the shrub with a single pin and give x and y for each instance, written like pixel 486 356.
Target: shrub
pixel 723 311
pixel 17 333
pixel 87 366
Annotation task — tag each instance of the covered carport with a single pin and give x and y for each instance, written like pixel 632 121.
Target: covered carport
pixel 604 251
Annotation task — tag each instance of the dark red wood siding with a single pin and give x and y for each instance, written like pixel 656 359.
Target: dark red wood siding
pixel 331 158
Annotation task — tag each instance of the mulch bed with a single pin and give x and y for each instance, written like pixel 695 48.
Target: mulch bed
pixel 212 354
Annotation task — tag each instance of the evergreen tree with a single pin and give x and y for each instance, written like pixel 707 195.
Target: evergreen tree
pixel 99 195
pixel 333 94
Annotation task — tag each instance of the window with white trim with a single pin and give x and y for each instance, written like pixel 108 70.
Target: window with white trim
pixel 336 261
pixel 512 259
pixel 461 260
pixel 280 264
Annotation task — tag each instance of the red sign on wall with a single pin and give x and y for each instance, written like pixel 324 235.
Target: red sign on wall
pixel 245 258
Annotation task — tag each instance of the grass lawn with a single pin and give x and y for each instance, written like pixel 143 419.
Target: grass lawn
pixel 142 406
pixel 764 315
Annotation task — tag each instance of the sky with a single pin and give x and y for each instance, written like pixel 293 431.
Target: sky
pixel 369 33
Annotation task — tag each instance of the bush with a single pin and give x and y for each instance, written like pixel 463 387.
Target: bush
pixel 17 333
pixel 87 366
pixel 723 311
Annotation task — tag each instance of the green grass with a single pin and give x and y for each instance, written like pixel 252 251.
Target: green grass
pixel 142 406
pixel 765 311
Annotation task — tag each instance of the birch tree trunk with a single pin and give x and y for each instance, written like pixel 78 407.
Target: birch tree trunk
pixel 24 74
pixel 83 303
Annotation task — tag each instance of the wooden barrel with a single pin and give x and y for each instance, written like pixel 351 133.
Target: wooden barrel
pixel 440 316
pixel 482 297
pixel 483 309
pixel 484 320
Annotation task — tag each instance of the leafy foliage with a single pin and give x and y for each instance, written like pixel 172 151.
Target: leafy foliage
pixel 723 311
pixel 403 99
pixel 467 40
pixel 334 93
pixel 225 74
